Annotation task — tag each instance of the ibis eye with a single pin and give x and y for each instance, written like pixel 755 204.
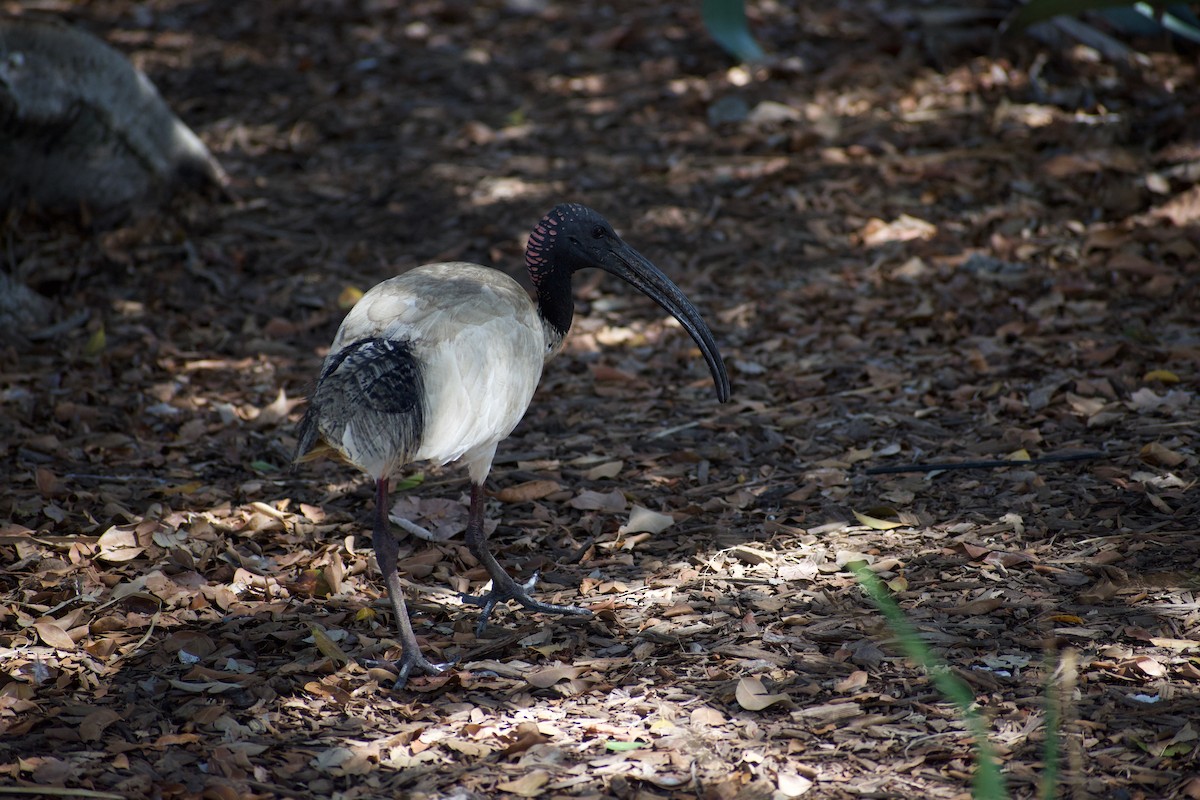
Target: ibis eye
pixel 598 232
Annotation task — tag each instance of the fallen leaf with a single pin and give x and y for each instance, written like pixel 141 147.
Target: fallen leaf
pixel 874 523
pixel 643 520
pixel 1176 644
pixel 117 544
pixel 706 717
pixel 95 343
pixel 528 734
pixel 904 228
pixel 1147 400
pixel 548 676
pixel 93 725
pixel 327 646
pixel 348 297
pixel 1150 666
pixel 1161 375
pixel 852 682
pixel 528 785
pixel 792 785
pixel 53 635
pixel 753 696
pixel 623 747
pixel 528 491
pixel 1155 453
pixel 588 500
pixel 609 469
pixel 752 555
pixel 278 410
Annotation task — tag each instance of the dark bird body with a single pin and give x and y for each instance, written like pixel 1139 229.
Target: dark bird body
pixel 440 363
pixel 80 126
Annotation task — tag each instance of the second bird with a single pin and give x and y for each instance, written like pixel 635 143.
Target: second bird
pixel 439 364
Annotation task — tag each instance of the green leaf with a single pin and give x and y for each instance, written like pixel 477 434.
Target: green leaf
pixel 726 24
pixel 95 343
pixel 623 747
pixel 263 466
pixel 410 482
pixel 1042 10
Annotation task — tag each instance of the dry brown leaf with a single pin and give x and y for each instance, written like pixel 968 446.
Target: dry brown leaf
pixel 1175 644
pixel 643 520
pixel 118 544
pixel 753 696
pixel 1146 400
pixel 1155 453
pixel 277 411
pixel 528 491
pixel 93 725
pixel 1150 666
pixel 334 694
pixel 904 228
pixel 53 635
pixel 528 735
pixel 706 717
pixel 874 523
pixel 328 646
pixel 609 469
pixel 548 676
pixel 791 784
pixel 588 500
pixel 852 682
pixel 752 555
pixel 528 785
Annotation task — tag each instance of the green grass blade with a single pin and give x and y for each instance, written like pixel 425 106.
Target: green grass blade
pixel 1042 10
pixel 726 24
pixel 989 783
pixel 1174 24
pixel 1052 750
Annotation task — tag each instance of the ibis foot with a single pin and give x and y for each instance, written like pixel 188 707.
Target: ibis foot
pixel 406 665
pixel 508 589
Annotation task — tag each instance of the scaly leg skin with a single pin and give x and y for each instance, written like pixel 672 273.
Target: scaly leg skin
pixel 386 552
pixel 503 585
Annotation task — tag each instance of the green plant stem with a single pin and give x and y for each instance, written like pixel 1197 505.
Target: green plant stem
pixel 989 782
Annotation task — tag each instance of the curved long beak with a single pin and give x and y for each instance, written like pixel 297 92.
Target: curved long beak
pixel 635 269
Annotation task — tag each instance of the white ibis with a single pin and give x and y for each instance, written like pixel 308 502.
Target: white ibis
pixel 439 364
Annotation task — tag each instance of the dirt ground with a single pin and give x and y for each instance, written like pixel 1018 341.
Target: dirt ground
pixel 916 242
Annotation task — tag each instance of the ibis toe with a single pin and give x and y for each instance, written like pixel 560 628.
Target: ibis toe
pixel 508 589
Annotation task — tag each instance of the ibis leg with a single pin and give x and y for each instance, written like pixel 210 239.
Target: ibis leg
pixel 503 585
pixel 386 552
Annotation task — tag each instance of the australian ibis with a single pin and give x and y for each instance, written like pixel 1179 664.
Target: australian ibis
pixel 439 363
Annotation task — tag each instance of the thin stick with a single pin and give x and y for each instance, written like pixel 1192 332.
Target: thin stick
pixel 1086 455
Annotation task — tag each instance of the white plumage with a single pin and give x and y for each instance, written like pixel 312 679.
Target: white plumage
pixel 479 339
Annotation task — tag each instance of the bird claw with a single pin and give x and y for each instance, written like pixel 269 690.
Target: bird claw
pixel 509 589
pixel 405 665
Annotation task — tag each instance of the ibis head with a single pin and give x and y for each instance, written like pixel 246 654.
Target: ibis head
pixel 573 237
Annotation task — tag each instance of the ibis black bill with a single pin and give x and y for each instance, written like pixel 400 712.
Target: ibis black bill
pixel 636 270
